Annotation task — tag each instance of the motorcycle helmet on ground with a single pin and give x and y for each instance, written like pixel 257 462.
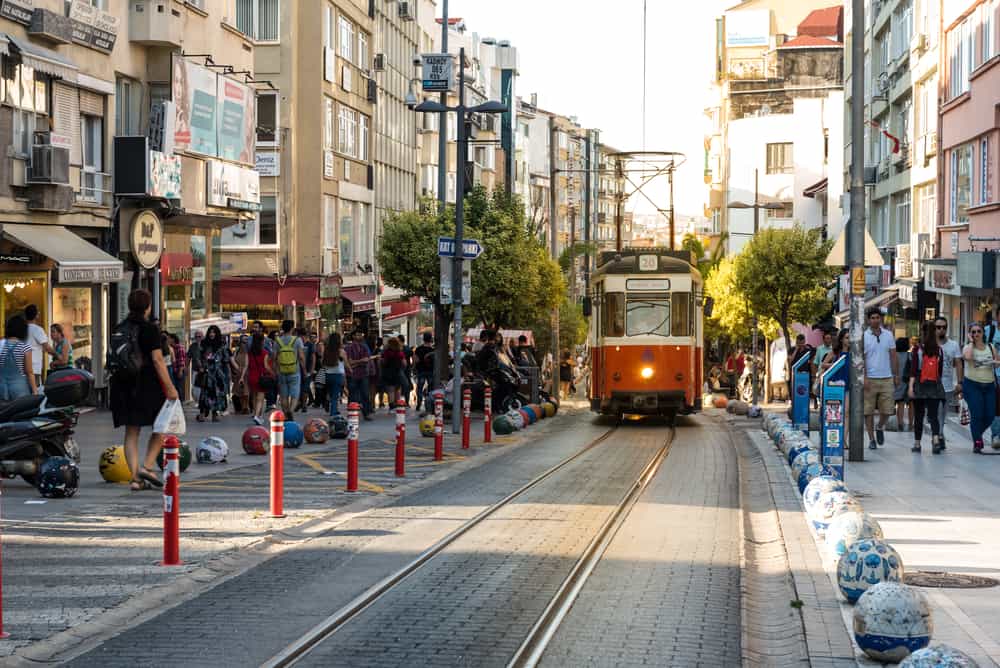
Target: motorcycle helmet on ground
pixel 58 477
pixel 256 441
pixel 293 435
pixel 338 426
pixel 183 452
pixel 317 431
pixel 113 466
pixel 212 450
pixel 427 425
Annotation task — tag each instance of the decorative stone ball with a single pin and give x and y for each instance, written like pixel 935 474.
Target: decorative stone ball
pixel 780 429
pixel 517 419
pixel 939 656
pixel 797 447
pixel 833 505
pixel 719 400
pixel 731 407
pixel 754 412
pixel 891 620
pixel 848 528
pixel 814 471
pixel 804 459
pixel 788 433
pixel 819 486
pixel 865 564
pixel 741 407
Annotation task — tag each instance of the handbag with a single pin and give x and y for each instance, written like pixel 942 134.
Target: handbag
pixel 963 414
pixel 267 382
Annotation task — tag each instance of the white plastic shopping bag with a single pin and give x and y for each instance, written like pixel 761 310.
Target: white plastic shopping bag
pixel 963 414
pixel 170 419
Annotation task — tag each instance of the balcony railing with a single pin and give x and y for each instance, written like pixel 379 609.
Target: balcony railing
pixel 752 69
pixel 94 188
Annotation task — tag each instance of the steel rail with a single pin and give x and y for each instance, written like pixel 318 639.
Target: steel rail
pixel 531 650
pixel 301 647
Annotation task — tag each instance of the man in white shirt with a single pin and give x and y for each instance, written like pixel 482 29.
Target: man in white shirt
pixel 951 369
pixel 881 377
pixel 38 340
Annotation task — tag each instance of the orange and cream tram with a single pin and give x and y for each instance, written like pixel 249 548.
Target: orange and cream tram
pixel 646 333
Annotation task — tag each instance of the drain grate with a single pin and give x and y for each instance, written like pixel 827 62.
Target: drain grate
pixel 942 580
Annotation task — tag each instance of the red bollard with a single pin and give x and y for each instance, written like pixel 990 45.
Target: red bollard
pixel 3 634
pixel 438 428
pixel 466 416
pixel 277 464
pixel 171 502
pixel 487 414
pixel 400 438
pixel 353 411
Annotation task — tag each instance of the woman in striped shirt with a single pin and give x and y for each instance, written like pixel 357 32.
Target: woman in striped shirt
pixel 16 379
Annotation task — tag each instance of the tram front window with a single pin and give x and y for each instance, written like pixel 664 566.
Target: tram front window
pixel 645 317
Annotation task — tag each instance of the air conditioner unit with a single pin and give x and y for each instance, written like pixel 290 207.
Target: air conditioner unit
pixel 372 91
pixel 871 175
pixel 404 11
pixel 379 64
pixel 49 164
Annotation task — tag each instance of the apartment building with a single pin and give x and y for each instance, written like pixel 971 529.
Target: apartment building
pixel 776 119
pixel 98 93
pixel 964 275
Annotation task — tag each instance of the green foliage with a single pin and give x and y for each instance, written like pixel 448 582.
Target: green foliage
pixel 407 253
pixel 732 317
pixel 570 253
pixel 572 328
pixel 705 261
pixel 783 276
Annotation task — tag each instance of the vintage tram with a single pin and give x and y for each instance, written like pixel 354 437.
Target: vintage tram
pixel 646 333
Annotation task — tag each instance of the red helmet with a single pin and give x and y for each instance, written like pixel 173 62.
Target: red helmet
pixel 256 441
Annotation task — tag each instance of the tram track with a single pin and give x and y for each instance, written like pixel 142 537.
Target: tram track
pixel 327 628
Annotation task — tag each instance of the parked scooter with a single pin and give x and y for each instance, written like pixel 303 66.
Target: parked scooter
pixel 38 427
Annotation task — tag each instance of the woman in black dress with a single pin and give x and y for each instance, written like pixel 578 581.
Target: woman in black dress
pixel 214 376
pixel 136 400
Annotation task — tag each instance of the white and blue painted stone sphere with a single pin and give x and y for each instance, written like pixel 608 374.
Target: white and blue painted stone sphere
pixel 891 620
pixel 866 563
pixel 819 486
pixel 814 471
pixel 832 505
pixel 798 446
pixel 848 528
pixel 517 419
pixel 754 412
pixel 939 656
pixel 802 460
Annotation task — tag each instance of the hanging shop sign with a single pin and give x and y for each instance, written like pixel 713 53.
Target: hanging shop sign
pixel 942 279
pixel 232 186
pixel 177 268
pixel 18 10
pixel 329 287
pixel 267 163
pixel 147 239
pixel 92 27
pixel 164 175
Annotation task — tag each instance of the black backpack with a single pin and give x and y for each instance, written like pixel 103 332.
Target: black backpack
pixel 124 359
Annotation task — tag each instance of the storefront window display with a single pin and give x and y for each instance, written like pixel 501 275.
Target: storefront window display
pixel 20 289
pixel 72 308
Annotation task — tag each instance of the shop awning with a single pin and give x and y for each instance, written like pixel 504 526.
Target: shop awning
pixel 403 308
pixel 303 290
pixel 44 60
pixel 359 300
pixel 816 188
pixel 79 261
pixel 884 298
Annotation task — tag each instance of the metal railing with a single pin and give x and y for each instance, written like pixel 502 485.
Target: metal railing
pixel 92 188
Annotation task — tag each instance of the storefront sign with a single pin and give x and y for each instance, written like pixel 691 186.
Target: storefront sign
pixel 908 293
pixel 18 10
pixel 93 274
pixel 329 288
pixel 312 312
pixel 942 279
pixel 177 268
pixel 267 163
pixel 16 258
pixel 92 27
pixel 147 238
pixel 164 175
pixel 243 205
pixel 748 27
pixel 231 183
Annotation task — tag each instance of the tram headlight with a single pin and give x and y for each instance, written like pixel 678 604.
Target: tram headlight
pixel 646 372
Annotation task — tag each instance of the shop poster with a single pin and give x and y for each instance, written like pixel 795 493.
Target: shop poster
pixel 237 121
pixel 194 89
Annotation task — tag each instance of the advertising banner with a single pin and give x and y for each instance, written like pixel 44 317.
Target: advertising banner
pixel 164 175
pixel 194 89
pixel 237 110
pixel 17 10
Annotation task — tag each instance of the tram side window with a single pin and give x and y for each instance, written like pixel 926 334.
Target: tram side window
pixel 613 312
pixel 681 314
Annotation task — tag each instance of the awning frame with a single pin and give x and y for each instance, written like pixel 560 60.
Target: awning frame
pixel 77 260
pixel 44 60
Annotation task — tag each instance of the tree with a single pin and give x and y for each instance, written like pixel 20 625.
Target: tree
pixel 706 260
pixel 572 328
pixel 783 275
pixel 732 316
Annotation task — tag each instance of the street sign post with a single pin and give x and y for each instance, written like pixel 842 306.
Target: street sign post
pixel 438 72
pixel 446 281
pixel 831 418
pixel 800 393
pixel 471 249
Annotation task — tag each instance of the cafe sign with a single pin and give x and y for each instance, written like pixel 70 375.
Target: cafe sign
pixel 147 239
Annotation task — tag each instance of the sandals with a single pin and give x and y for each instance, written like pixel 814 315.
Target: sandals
pixel 146 476
pixel 139 485
pixel 199 417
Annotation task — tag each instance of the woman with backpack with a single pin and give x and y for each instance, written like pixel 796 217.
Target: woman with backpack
pixel 215 367
pixel 979 384
pixel 140 383
pixel 925 388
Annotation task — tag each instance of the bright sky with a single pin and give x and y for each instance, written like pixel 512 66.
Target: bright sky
pixel 585 59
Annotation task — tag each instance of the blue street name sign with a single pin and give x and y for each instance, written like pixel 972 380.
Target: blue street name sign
pixel 831 417
pixel 800 393
pixel 471 249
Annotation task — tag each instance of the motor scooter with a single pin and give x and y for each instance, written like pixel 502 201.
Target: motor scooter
pixel 38 426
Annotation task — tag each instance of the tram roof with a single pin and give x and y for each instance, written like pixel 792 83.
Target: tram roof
pixel 626 261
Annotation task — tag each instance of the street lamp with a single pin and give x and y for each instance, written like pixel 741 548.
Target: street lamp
pixel 434 107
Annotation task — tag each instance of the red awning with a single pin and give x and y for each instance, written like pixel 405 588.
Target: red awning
pixel 359 299
pixel 403 308
pixel 268 290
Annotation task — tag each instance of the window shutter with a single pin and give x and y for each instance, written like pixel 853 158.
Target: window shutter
pixel 67 118
pixel 91 104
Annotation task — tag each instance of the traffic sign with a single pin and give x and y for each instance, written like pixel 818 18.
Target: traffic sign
pixel 446 281
pixel 438 72
pixel 471 249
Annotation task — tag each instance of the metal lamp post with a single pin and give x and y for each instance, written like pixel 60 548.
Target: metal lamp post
pixel 432 107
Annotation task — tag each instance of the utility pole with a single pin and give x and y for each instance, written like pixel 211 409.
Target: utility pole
pixel 670 177
pixel 587 205
pixel 572 253
pixel 440 326
pixel 856 233
pixel 619 204
pixel 756 202
pixel 457 297
pixel 554 250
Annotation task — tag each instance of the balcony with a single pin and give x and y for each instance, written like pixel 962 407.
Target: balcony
pixel 752 69
pixel 155 23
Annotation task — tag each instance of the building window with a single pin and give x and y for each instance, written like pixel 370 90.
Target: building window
pixel 329 235
pixel 348 131
pixel 27 92
pixel 329 36
pixel 779 158
pixel 786 212
pixel 346 29
pixel 961 183
pixel 267 119
pixel 258 19
pixel 984 171
pixel 362 60
pixel 128 100
pixel 902 29
pixel 92 128
pixel 363 138
pixel 927 203
pixel 355 247
pixel 902 227
pixel 328 126
pixel 960 54
pixel 267 220
pixel 261 232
